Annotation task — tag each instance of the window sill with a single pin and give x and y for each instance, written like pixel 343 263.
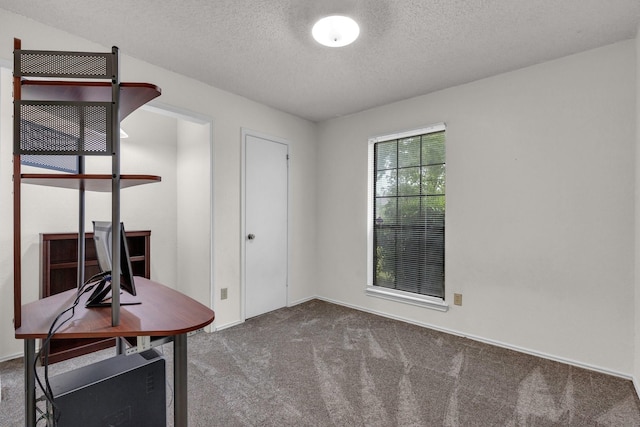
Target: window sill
pixel 407 298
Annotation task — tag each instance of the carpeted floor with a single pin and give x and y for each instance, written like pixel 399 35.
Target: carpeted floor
pixel 319 364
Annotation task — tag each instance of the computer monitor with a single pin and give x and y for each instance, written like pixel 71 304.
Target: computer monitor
pixel 102 232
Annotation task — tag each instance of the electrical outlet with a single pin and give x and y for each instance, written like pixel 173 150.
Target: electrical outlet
pixel 457 299
pixel 223 293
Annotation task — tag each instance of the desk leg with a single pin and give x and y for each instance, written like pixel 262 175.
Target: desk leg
pixel 180 407
pixel 29 383
pixel 121 347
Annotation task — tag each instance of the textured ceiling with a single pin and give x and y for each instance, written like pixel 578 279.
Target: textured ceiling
pixel 263 50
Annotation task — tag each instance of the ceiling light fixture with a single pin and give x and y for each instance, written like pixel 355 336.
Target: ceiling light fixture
pixel 335 31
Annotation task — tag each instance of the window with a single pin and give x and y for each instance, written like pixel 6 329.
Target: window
pixel 407 215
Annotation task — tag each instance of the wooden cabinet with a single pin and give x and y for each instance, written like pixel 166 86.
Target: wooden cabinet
pixel 59 259
pixel 59 270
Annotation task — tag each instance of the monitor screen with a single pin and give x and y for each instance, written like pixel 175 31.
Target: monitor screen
pixel 102 231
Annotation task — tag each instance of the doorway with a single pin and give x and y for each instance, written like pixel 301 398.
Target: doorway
pixel 265 233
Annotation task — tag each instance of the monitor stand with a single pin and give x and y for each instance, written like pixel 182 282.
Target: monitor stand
pixel 100 295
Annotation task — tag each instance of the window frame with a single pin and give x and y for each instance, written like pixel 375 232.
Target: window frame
pixel 420 300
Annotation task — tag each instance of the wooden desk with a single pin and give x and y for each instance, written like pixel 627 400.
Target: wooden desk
pixel 163 312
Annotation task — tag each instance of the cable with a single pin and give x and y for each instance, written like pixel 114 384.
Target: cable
pixel 44 351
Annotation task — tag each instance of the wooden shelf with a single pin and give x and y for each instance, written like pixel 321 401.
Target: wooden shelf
pixel 59 259
pixel 132 95
pixel 163 312
pixel 60 350
pixel 89 182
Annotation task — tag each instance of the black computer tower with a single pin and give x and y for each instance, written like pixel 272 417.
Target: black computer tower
pixel 123 391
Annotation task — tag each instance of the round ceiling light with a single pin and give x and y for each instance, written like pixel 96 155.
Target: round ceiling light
pixel 335 31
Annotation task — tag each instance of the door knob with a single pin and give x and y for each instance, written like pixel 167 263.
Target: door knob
pixel 251 236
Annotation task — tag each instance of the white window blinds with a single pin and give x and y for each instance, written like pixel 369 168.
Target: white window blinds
pixel 408 207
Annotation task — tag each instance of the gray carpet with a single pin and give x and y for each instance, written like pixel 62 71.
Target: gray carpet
pixel 319 364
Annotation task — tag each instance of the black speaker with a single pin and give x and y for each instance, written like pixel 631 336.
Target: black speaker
pixel 121 391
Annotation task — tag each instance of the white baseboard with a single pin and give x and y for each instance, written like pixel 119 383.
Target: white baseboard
pixel 227 325
pixel 11 356
pixel 302 301
pixel 239 322
pixel 636 385
pixel 493 342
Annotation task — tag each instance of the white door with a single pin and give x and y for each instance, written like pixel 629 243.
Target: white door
pixel 265 239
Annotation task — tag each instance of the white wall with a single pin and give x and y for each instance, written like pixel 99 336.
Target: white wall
pixel 229 113
pixel 194 210
pixel 152 149
pixel 540 173
pixel 636 370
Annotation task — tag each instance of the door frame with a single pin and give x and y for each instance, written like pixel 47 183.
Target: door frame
pixel 243 213
pixel 180 113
